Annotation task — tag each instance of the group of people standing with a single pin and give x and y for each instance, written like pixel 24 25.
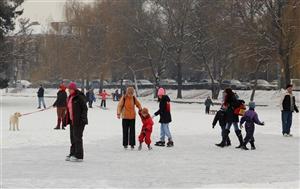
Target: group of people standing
pixel 72 110
pixel 232 107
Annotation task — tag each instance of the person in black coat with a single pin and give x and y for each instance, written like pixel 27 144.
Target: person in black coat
pixel 221 118
pixel 76 117
pixel 230 104
pixel 61 106
pixel 165 118
pixel 208 102
pixel 288 106
pixel 40 95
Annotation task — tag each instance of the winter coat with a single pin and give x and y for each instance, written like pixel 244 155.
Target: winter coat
pixel 103 95
pixel 126 107
pixel 221 118
pixel 288 103
pixel 147 122
pixel 61 99
pixel 165 115
pixel 251 118
pixel 90 96
pixel 208 102
pixel 231 103
pixel 40 92
pixel 79 110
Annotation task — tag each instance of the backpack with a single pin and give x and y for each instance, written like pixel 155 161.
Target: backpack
pixel 240 108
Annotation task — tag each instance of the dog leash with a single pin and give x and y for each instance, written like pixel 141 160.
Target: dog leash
pixel 37 111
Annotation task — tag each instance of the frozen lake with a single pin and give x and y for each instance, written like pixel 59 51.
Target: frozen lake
pixel 34 156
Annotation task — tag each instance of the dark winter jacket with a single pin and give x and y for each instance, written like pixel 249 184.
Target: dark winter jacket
pixel 251 118
pixel 61 99
pixel 208 102
pixel 231 103
pixel 288 103
pixel 165 115
pixel 40 92
pixel 90 96
pixel 221 118
pixel 79 110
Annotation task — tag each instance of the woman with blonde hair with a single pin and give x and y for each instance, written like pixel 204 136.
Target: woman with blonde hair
pixel 126 111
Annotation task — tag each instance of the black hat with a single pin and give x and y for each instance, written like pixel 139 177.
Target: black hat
pixel 288 86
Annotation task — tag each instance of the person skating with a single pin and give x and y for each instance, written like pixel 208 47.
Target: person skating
pixel 76 117
pixel 250 118
pixel 61 106
pixel 146 131
pixel 40 95
pixel 126 111
pixel 288 106
pixel 165 118
pixel 103 96
pixel 90 96
pixel 230 104
pixel 221 118
pixel 208 102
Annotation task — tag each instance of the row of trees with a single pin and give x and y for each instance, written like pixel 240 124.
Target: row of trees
pixel 181 39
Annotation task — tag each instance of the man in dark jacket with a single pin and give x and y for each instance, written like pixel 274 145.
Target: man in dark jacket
pixel 288 106
pixel 40 95
pixel 77 118
pixel 208 102
pixel 61 106
pixel 165 118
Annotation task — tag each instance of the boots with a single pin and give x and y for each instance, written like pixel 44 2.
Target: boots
pixel 160 143
pixel 58 124
pixel 224 139
pixel 228 142
pixel 140 147
pixel 252 145
pixel 240 137
pixel 170 143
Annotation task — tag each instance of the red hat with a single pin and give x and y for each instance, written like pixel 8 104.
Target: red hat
pixel 72 85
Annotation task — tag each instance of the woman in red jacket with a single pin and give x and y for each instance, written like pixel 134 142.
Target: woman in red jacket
pixel 146 129
pixel 103 96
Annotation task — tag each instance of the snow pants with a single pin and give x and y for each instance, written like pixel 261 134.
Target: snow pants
pixel 145 135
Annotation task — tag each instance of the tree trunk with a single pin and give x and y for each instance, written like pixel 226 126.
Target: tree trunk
pixel 179 80
pixel 215 91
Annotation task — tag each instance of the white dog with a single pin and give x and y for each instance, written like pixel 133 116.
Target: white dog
pixel 14 121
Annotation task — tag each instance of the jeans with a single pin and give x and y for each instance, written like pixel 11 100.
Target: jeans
pixel 165 131
pixel 41 100
pixel 286 118
pixel 235 125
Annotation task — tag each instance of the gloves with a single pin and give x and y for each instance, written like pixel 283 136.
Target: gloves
pixel 213 126
pixel 263 123
pixel 118 116
pixel 153 116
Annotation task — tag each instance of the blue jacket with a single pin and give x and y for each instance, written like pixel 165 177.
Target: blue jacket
pixel 251 118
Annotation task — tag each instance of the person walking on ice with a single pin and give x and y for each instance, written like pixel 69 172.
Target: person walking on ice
pixel 164 112
pixel 76 117
pixel 146 128
pixel 250 118
pixel 61 105
pixel 103 95
pixel 40 95
pixel 288 106
pixel 208 102
pixel 126 111
pixel 221 118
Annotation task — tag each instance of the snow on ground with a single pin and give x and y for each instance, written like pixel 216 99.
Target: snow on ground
pixel 34 156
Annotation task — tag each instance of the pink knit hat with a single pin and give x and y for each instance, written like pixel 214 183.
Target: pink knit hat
pixel 72 85
pixel 161 92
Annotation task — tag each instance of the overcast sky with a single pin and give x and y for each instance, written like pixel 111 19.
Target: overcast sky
pixel 44 10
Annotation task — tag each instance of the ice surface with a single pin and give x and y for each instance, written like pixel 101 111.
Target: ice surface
pixel 34 156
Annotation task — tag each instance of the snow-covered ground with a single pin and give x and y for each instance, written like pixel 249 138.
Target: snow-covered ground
pixel 34 156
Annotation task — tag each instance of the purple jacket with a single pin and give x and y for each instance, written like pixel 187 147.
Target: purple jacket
pixel 251 118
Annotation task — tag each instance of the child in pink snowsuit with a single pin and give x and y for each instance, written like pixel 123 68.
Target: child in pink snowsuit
pixel 146 129
pixel 103 96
